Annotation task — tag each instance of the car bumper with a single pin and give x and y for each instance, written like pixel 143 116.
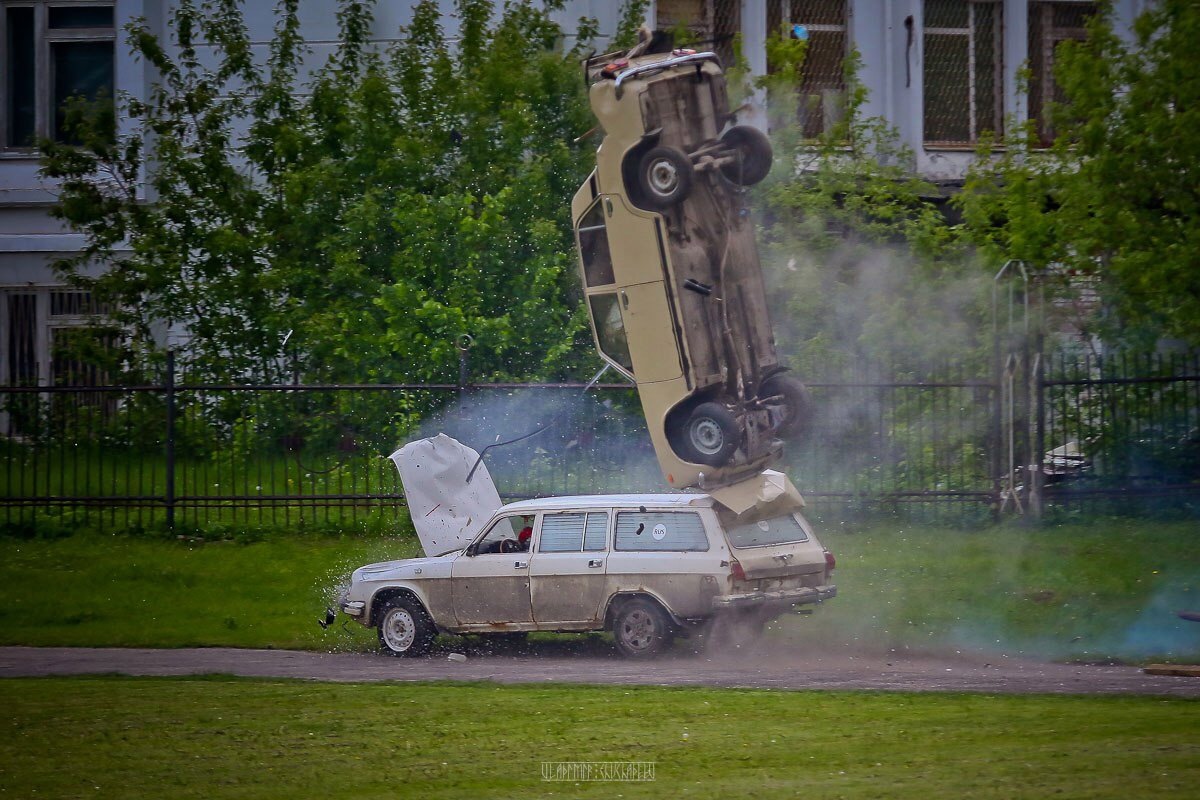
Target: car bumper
pixel 803 595
pixel 353 608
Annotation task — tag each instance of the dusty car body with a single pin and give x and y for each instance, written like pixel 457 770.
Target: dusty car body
pixel 670 267
pixel 645 566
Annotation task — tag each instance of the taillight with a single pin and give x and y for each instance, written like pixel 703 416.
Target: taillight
pixel 830 562
pixel 735 569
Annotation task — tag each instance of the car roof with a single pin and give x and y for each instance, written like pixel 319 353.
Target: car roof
pixel 678 500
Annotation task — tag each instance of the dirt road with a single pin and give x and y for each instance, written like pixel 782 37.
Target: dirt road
pixel 593 664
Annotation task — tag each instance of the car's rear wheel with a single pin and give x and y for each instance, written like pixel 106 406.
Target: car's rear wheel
pixel 754 155
pixel 641 629
pixel 708 435
pixel 405 628
pixel 665 177
pixel 797 404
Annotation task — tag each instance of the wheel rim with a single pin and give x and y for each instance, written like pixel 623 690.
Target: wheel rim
pixel 638 629
pixel 707 436
pixel 399 630
pixel 664 177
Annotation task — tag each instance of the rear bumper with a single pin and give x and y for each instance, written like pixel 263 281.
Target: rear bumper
pixel 784 597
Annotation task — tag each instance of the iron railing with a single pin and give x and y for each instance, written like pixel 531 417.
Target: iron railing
pixel 1111 434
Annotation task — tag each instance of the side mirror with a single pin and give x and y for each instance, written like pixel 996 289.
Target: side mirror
pixel 472 549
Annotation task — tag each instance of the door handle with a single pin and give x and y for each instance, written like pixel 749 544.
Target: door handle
pixel 596 562
pixel 624 299
pixel 520 564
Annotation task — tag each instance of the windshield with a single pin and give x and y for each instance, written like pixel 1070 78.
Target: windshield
pixel 777 530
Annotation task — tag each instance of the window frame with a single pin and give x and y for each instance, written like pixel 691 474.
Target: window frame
pixel 507 517
pixel 793 13
pixel 45 38
pixel 616 523
pixel 997 68
pixel 1043 87
pixel 806 534
pixel 587 515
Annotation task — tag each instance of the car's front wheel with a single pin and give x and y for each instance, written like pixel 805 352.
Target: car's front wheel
pixel 405 628
pixel 665 177
pixel 708 435
pixel 641 629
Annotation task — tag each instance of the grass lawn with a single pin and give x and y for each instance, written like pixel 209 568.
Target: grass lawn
pixel 218 738
pixel 1106 589
pixel 91 590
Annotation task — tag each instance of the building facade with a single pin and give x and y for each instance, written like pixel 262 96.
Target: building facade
pixel 944 73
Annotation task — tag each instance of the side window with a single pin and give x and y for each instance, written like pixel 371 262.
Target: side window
pixel 595 534
pixel 561 533
pixel 610 329
pixel 672 531
pixel 508 535
pixel 593 247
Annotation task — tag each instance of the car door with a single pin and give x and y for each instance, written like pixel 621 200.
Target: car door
pixel 640 271
pixel 669 553
pixel 566 573
pixel 490 580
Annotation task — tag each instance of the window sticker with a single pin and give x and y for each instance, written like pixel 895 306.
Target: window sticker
pixel 659 533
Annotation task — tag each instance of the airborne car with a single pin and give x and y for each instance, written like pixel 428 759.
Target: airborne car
pixel 670 269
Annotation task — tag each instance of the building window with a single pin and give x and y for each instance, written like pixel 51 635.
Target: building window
pixel 711 24
pixel 54 53
pixel 963 71
pixel 54 336
pixel 1051 24
pixel 821 100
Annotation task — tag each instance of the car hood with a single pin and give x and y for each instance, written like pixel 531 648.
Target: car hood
pixel 434 567
pixel 768 495
pixel 447 510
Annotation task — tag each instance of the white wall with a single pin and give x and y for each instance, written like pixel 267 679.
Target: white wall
pixel 29 237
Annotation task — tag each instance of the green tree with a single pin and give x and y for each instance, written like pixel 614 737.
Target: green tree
pixel 1115 197
pixel 398 201
pixel 861 260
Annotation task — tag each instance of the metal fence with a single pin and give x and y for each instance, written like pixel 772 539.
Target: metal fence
pixel 1111 435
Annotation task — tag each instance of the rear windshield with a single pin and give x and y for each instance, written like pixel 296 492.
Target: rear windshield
pixel 779 530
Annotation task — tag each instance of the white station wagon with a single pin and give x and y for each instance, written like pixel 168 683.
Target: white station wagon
pixel 644 566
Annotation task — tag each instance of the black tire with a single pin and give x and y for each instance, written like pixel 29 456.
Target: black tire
pixel 709 435
pixel 404 628
pixel 641 629
pixel 797 404
pixel 754 151
pixel 665 176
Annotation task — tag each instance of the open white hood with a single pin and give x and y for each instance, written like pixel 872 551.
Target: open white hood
pixel 446 510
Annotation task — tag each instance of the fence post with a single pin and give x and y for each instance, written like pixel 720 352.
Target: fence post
pixel 997 421
pixel 1037 387
pixel 463 343
pixel 169 387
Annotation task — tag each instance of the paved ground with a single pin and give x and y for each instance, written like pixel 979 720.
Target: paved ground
pixel 593 663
